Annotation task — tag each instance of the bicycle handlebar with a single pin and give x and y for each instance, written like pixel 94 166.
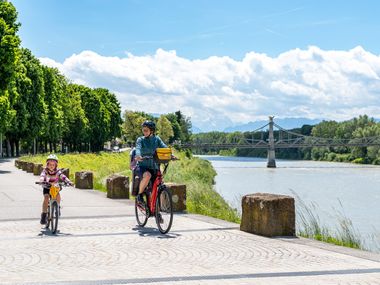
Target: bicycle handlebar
pixel 49 183
pixel 146 157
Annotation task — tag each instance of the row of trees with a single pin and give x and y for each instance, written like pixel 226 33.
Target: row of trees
pixel 360 127
pixel 40 109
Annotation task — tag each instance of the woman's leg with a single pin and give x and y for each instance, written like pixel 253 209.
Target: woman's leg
pixel 144 181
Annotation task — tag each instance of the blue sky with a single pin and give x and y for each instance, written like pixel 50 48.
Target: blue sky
pixel 223 63
pixel 195 29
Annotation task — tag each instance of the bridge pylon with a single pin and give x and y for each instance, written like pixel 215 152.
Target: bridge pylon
pixel 271 151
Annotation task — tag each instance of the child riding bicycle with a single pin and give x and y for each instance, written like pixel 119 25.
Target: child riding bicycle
pixel 51 174
pixel 146 145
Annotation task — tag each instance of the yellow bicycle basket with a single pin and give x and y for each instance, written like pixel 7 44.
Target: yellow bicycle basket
pixel 163 155
pixel 54 190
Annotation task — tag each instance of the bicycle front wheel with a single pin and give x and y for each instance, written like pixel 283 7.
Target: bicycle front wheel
pixel 48 218
pixel 164 210
pixel 54 217
pixel 142 212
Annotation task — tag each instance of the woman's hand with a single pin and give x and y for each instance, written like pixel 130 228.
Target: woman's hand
pixel 138 158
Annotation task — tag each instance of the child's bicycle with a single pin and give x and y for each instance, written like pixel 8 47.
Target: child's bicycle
pixel 54 211
pixel 158 202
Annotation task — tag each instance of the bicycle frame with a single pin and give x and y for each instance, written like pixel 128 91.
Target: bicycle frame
pixel 153 196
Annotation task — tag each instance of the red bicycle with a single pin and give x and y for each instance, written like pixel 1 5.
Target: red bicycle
pixel 157 202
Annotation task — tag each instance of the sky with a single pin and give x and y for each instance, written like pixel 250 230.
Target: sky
pixel 222 63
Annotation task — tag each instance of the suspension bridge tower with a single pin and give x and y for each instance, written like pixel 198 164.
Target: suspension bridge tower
pixel 271 153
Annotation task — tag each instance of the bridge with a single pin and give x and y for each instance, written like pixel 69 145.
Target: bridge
pixel 283 139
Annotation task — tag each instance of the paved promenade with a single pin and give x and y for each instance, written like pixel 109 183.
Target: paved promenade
pixel 99 243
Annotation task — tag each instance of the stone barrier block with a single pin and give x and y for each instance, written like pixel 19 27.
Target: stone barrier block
pixel 118 187
pixel 84 180
pixel 17 163
pixel 268 215
pixel 23 165
pixel 178 192
pixel 29 167
pixel 37 168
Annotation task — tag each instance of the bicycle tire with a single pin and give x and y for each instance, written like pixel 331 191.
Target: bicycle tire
pixel 164 210
pixel 54 217
pixel 142 213
pixel 48 218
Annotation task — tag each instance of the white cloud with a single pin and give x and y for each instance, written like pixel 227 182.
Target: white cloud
pixel 219 91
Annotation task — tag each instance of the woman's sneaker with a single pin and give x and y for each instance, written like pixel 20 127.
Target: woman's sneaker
pixel 140 199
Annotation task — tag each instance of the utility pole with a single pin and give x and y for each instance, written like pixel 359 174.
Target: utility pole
pixel 271 152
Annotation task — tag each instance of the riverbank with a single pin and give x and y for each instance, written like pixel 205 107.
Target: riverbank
pixel 197 174
pixel 343 197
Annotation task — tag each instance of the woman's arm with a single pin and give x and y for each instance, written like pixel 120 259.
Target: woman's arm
pixel 160 142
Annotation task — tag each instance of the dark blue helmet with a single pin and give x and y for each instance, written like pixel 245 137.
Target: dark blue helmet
pixel 149 124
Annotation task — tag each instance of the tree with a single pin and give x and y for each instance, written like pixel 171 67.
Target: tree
pixel 112 111
pixel 54 86
pixel 164 128
pixel 34 97
pixel 75 128
pixel 185 124
pixel 9 44
pixel 18 92
pixel 132 124
pixel 177 132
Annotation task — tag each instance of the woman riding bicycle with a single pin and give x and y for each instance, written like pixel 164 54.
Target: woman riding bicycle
pixel 146 146
pixel 51 174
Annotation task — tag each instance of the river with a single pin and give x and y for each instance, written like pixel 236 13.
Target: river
pixel 336 189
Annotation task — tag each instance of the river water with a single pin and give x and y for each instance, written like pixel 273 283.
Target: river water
pixel 335 189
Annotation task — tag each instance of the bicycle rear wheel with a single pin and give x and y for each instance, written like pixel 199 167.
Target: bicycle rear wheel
pixel 164 210
pixel 54 217
pixel 142 212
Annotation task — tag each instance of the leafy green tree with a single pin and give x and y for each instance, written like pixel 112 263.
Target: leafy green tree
pixel 132 124
pixel 185 124
pixel 75 128
pixel 34 99
pixel 164 128
pixel 111 108
pixel 9 44
pixel 93 107
pixel 18 92
pixel 54 87
pixel 177 131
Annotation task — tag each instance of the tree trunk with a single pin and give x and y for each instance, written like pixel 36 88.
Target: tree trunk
pixel 8 148
pixel 17 143
pixel 12 147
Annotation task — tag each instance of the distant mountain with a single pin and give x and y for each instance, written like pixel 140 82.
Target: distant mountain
pixel 286 123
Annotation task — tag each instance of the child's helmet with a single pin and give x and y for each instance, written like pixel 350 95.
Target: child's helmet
pixel 52 157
